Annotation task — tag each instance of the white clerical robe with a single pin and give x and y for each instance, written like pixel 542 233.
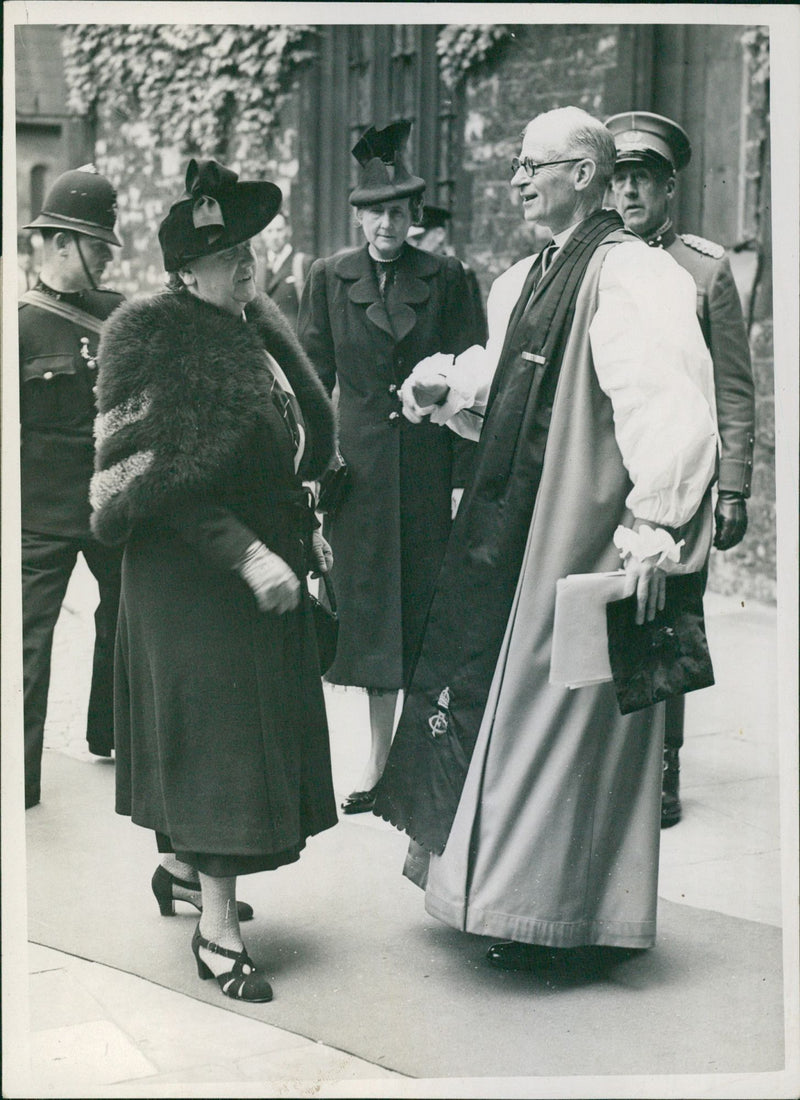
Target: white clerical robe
pixel 556 836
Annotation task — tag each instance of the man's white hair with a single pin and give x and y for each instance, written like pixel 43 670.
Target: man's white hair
pixel 573 131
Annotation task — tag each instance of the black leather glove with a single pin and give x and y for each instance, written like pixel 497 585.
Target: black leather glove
pixel 730 520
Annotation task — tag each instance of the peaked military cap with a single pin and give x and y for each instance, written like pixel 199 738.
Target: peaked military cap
pixel 215 212
pixel 384 174
pixel 643 136
pixel 83 201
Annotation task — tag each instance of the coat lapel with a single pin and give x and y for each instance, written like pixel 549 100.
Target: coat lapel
pixel 410 289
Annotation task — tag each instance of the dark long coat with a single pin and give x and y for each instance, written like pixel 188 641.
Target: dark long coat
pixel 221 735
pixel 389 535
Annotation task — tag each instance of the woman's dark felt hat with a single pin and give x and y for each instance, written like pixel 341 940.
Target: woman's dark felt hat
pixel 215 212
pixel 384 174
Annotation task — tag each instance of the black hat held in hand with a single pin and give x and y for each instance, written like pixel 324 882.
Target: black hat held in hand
pixel 215 212
pixel 384 175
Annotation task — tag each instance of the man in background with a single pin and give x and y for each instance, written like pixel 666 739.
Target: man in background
pixel 60 319
pixel 432 235
pixel 286 269
pixel 651 150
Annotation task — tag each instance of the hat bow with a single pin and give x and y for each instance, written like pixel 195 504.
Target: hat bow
pixel 205 180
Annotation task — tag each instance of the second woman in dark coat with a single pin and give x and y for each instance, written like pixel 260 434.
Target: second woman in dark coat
pixel 366 318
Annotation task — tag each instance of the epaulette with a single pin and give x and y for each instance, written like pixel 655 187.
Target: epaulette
pixel 700 244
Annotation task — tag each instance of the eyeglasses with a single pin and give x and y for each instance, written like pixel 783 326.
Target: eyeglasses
pixel 531 168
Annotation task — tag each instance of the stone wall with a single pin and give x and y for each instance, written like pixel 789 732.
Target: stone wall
pixel 749 568
pixel 540 68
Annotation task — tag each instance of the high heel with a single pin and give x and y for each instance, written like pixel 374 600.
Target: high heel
pixel 163 882
pixel 242 982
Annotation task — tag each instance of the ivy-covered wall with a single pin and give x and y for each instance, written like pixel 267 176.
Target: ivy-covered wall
pixel 536 68
pixel 157 94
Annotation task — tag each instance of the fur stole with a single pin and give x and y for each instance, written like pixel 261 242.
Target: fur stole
pixel 180 385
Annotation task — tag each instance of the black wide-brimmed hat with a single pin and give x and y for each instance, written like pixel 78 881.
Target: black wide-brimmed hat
pixel 215 212
pixel 643 136
pixel 82 201
pixel 384 174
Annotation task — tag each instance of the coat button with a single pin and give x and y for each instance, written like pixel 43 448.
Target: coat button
pixel 392 388
pixel 394 415
pixel 48 374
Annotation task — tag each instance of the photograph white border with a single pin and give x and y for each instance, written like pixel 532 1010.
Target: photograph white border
pixel 784 24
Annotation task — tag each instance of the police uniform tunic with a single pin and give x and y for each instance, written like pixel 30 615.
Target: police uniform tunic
pixel 57 409
pixel 719 312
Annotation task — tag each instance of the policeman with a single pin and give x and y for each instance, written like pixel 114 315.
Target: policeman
pixel 650 151
pixel 60 320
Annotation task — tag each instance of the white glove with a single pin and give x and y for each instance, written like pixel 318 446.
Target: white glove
pixel 321 553
pixel 272 582
pixel 425 387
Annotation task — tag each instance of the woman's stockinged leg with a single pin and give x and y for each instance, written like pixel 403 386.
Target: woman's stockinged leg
pixel 381 720
pixel 186 873
pixel 219 921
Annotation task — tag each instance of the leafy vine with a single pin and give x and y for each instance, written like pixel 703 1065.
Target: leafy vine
pixel 461 47
pixel 218 89
pixel 756 43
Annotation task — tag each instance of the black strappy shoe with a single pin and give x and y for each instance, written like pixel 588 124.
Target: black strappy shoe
pixel 242 982
pixel 163 882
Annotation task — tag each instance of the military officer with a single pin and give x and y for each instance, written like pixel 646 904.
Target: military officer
pixel 60 320
pixel 651 150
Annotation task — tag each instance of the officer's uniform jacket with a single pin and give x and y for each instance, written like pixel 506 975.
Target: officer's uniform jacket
pixel 719 311
pixel 57 409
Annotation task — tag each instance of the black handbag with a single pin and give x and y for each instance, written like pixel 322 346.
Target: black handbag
pixel 326 625
pixel 333 485
pixel 668 656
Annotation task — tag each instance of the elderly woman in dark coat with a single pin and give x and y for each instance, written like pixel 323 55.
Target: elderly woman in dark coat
pixel 367 316
pixel 210 414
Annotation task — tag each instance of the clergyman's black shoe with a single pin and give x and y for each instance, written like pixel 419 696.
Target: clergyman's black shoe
pixel 510 955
